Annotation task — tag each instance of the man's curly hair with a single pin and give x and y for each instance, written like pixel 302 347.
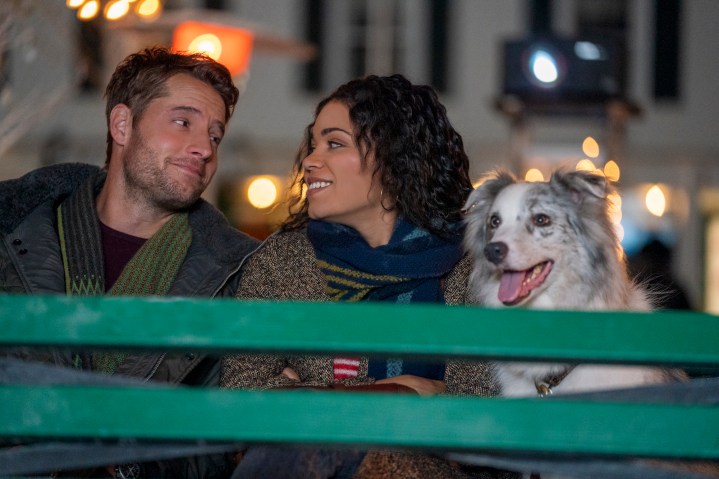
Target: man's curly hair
pixel 419 157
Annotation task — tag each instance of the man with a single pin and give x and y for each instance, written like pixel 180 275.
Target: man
pixel 138 226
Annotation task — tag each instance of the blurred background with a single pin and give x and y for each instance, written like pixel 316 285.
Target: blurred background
pixel 626 88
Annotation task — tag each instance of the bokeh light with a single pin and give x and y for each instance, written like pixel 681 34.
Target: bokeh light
pixel 89 10
pixel 262 192
pixel 585 165
pixel 611 171
pixel 533 175
pixel 655 201
pixel 207 43
pixel 590 147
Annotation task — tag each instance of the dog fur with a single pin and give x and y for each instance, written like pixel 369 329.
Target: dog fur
pixel 551 245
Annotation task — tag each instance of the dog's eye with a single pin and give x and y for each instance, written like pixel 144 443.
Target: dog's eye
pixel 493 221
pixel 541 220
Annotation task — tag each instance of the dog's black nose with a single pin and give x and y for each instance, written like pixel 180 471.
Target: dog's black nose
pixel 496 252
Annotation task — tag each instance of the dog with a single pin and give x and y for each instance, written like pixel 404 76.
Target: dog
pixel 552 245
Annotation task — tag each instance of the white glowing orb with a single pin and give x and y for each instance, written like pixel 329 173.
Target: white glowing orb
pixel 655 201
pixel 262 193
pixel 544 67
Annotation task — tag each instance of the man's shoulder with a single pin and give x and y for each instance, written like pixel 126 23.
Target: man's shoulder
pixel 217 234
pixel 20 196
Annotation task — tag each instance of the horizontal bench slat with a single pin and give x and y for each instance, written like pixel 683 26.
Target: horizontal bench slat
pixel 318 417
pixel 679 338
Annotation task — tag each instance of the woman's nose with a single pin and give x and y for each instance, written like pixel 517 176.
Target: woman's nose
pixel 312 160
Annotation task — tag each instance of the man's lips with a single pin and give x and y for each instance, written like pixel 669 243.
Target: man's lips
pixel 190 167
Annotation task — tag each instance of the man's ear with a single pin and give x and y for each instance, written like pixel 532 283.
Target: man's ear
pixel 120 123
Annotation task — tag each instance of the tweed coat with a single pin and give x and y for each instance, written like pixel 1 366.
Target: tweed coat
pixel 284 268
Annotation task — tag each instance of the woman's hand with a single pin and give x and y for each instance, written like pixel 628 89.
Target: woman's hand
pixel 290 373
pixel 423 386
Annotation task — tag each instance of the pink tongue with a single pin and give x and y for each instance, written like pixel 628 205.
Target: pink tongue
pixel 511 286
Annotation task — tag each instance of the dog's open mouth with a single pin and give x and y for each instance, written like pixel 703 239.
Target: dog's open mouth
pixel 516 285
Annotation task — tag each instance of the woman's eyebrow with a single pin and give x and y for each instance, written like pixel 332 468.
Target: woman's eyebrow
pixel 327 131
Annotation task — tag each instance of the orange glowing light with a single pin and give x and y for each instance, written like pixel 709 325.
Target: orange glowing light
pixel 534 175
pixel 148 10
pixel 89 10
pixel 116 9
pixel 235 47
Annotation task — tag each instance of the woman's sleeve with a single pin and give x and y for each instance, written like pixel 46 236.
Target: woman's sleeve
pixel 254 372
pixel 470 378
pixel 283 268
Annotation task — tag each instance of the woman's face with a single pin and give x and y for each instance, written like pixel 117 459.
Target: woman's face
pixel 339 189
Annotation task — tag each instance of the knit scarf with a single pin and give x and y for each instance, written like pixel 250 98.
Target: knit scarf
pixel 150 272
pixel 406 270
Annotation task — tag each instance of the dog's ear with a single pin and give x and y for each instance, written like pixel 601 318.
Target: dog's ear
pixel 476 209
pixel 490 185
pixel 580 184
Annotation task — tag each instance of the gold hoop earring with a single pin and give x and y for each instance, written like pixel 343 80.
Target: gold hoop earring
pixel 381 201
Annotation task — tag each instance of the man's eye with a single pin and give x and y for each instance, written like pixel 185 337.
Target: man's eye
pixel 216 139
pixel 182 122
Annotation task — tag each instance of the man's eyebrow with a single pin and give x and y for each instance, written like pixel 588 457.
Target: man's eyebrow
pixel 188 109
pixel 195 111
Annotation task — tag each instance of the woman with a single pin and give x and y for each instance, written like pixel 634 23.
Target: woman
pixel 382 177
pixel 385 176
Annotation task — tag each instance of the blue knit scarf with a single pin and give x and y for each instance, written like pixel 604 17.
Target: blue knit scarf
pixel 408 269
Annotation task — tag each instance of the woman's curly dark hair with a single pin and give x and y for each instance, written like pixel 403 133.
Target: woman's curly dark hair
pixel 419 157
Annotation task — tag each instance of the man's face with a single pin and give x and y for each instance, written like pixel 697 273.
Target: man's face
pixel 171 154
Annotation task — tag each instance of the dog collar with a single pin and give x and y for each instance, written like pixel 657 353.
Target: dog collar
pixel 544 387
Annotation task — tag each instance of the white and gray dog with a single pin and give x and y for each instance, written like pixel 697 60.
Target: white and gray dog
pixel 551 245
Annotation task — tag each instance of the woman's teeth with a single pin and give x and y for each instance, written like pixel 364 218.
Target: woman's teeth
pixel 318 184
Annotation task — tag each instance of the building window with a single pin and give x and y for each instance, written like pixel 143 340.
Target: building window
pixel 379 37
pixel 667 33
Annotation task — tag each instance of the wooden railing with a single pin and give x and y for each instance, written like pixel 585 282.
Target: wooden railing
pixel 679 422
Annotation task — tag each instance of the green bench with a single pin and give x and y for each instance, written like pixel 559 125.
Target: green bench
pixel 661 422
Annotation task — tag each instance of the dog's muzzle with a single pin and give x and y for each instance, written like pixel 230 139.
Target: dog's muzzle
pixel 496 252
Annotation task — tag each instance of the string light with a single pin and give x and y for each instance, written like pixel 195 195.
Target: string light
pixel 115 9
pixel 611 171
pixel 533 175
pixel 88 10
pixel 590 147
pixel 655 201
pixel 585 165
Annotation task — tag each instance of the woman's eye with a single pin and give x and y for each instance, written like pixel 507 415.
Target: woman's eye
pixel 542 220
pixel 182 122
pixel 333 144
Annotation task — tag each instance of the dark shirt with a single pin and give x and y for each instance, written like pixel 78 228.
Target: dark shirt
pixel 118 248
